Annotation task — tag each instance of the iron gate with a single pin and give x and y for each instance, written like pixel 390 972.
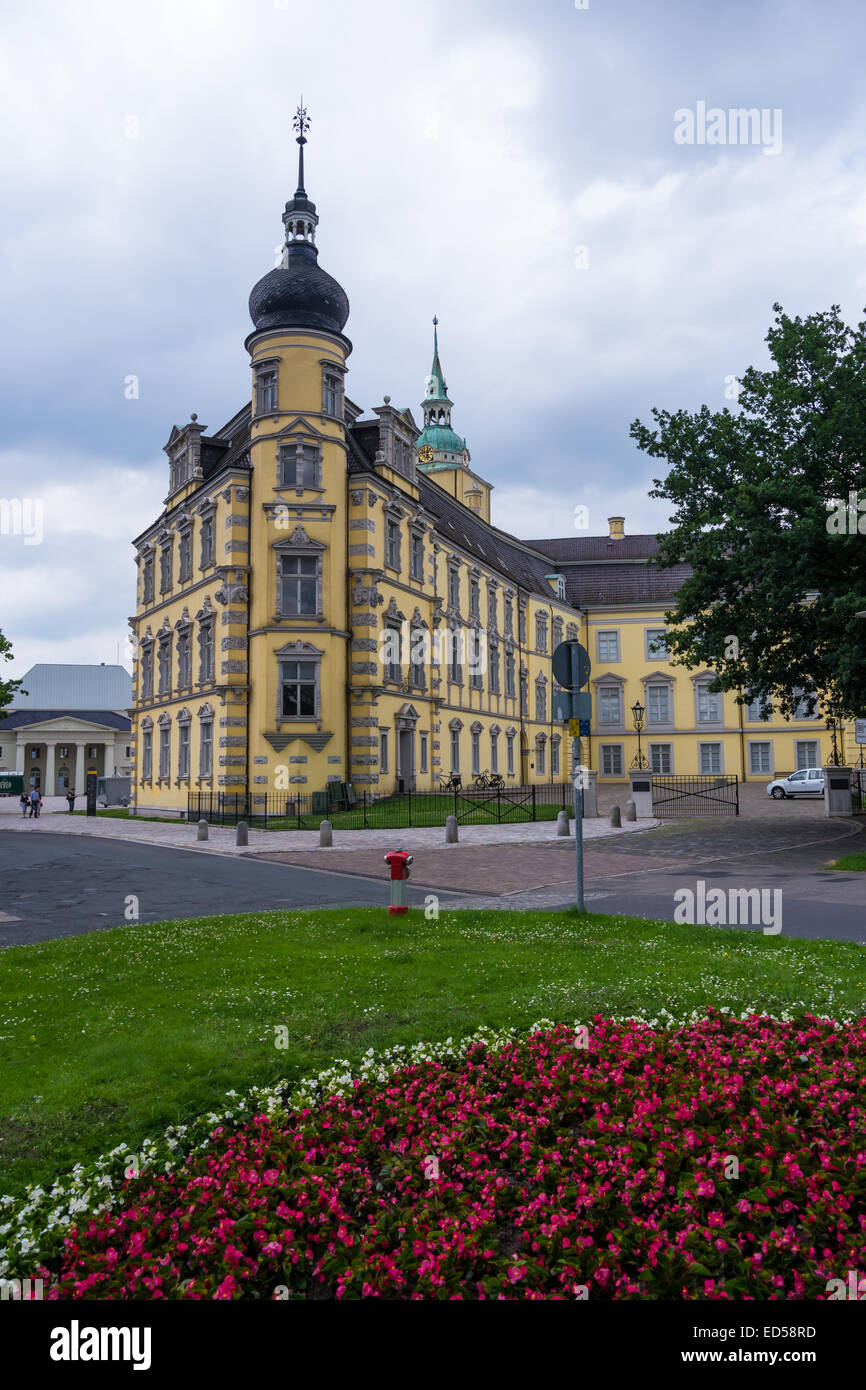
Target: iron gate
pixel 676 797
pixel 858 791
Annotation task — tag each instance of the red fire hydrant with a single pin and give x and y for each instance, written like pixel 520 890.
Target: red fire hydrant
pixel 398 862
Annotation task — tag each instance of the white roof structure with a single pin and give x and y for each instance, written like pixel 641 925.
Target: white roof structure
pixel 63 687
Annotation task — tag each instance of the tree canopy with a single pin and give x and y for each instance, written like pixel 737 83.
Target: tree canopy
pixel 766 502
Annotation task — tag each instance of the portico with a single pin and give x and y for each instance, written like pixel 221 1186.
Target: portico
pixel 56 754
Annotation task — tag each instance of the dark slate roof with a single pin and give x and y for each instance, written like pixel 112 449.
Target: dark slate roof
pixel 230 445
pixel 20 718
pixel 577 548
pixel 623 583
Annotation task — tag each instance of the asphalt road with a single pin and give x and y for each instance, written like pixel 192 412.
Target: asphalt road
pixel 63 885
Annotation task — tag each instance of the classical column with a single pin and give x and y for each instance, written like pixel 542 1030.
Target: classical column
pixel 20 750
pixel 79 769
pixel 108 761
pixel 50 786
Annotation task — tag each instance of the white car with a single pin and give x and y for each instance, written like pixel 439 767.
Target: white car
pixel 809 782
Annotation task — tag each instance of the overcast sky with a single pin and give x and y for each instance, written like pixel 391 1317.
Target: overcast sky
pixel 460 155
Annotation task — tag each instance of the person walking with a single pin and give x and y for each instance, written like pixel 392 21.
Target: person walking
pixel 70 798
pixel 25 802
pixel 35 799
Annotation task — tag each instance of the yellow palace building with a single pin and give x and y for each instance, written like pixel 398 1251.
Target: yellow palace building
pixel 325 598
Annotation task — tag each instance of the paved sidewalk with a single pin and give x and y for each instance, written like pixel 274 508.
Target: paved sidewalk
pixel 290 843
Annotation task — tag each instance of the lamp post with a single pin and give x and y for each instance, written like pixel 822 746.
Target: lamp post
pixel 832 724
pixel 637 714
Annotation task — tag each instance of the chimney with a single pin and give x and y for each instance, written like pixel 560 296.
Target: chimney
pixel 617 527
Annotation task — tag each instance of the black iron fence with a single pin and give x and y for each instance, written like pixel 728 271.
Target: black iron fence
pixel 858 791
pixel 676 797
pixel 349 810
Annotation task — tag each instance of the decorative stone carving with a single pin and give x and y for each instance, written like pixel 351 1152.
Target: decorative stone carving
pixel 367 593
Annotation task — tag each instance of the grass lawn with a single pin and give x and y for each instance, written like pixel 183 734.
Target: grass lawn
pixel 850 862
pixel 112 1036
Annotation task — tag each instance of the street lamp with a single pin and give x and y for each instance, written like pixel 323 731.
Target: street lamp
pixel 637 714
pixel 833 723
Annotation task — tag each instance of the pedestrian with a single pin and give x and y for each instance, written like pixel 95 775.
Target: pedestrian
pixel 25 802
pixel 70 797
pixel 35 799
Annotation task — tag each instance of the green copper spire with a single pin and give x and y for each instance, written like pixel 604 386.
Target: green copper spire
pixel 444 448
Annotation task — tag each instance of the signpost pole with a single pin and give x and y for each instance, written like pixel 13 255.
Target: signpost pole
pixel 578 818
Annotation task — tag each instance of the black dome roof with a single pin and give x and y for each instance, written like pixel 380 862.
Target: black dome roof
pixel 299 295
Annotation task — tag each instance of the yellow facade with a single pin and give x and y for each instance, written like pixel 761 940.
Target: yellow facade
pixel 300 542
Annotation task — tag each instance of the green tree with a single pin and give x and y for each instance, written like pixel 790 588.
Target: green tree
pixel 766 512
pixel 7 688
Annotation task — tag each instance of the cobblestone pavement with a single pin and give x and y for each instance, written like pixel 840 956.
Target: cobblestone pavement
pixel 221 840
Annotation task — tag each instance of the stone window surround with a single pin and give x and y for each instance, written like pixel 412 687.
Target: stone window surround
pixel 164 656
pixel 661 743
pixel 164 725
pixel 184 721
pixel 416 535
pixel 166 560
pixel 299 651
pixel 699 680
pixel 654 656
pixel 601 748
pixel 330 367
pixel 146 750
pixel 662 678
pixel 296 436
pixel 610 680
pixel 184 528
pixel 712 743
pixel 206 717
pixel 299 543
pixel 608 632
pixel 183 627
pixel 206 619
pixel 265 366
pixel 756 772
pixel 207 512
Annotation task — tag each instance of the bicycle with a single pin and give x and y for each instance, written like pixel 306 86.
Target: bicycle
pixel 492 781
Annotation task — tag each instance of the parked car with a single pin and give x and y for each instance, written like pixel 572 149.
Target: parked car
pixel 809 782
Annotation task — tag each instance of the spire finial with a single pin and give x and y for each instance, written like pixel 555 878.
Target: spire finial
pixel 301 123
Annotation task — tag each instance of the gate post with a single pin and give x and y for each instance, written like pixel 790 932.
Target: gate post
pixel 837 792
pixel 533 801
pixel 642 793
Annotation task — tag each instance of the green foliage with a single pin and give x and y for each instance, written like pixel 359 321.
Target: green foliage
pixel 756 494
pixel 7 688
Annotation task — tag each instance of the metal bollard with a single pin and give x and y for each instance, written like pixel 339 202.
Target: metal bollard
pixel 326 835
pixel 615 818
pixel 202 829
pixel 451 830
pixel 630 811
pixel 242 833
pixel 562 826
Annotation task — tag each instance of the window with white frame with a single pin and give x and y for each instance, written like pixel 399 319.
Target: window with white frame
pixel 656 639
pixel 709 758
pixel 299 585
pixel 802 708
pixel 709 705
pixel 206 542
pixel 658 704
pixel 417 557
pixel 807 753
pixel 660 758
pixel 185 556
pixel 266 392
pixel 392 543
pixel 164 752
pixel 183 752
pixel 205 748
pixel 147 754
pixel 476 752
pixel 758 710
pixel 299 465
pixel 607 645
pixel 609 704
pixel 509 752
pixel 298 689
pixel 611 759
pixel 761 758
pixel 332 393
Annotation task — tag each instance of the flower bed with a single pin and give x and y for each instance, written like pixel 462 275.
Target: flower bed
pixel 721 1159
